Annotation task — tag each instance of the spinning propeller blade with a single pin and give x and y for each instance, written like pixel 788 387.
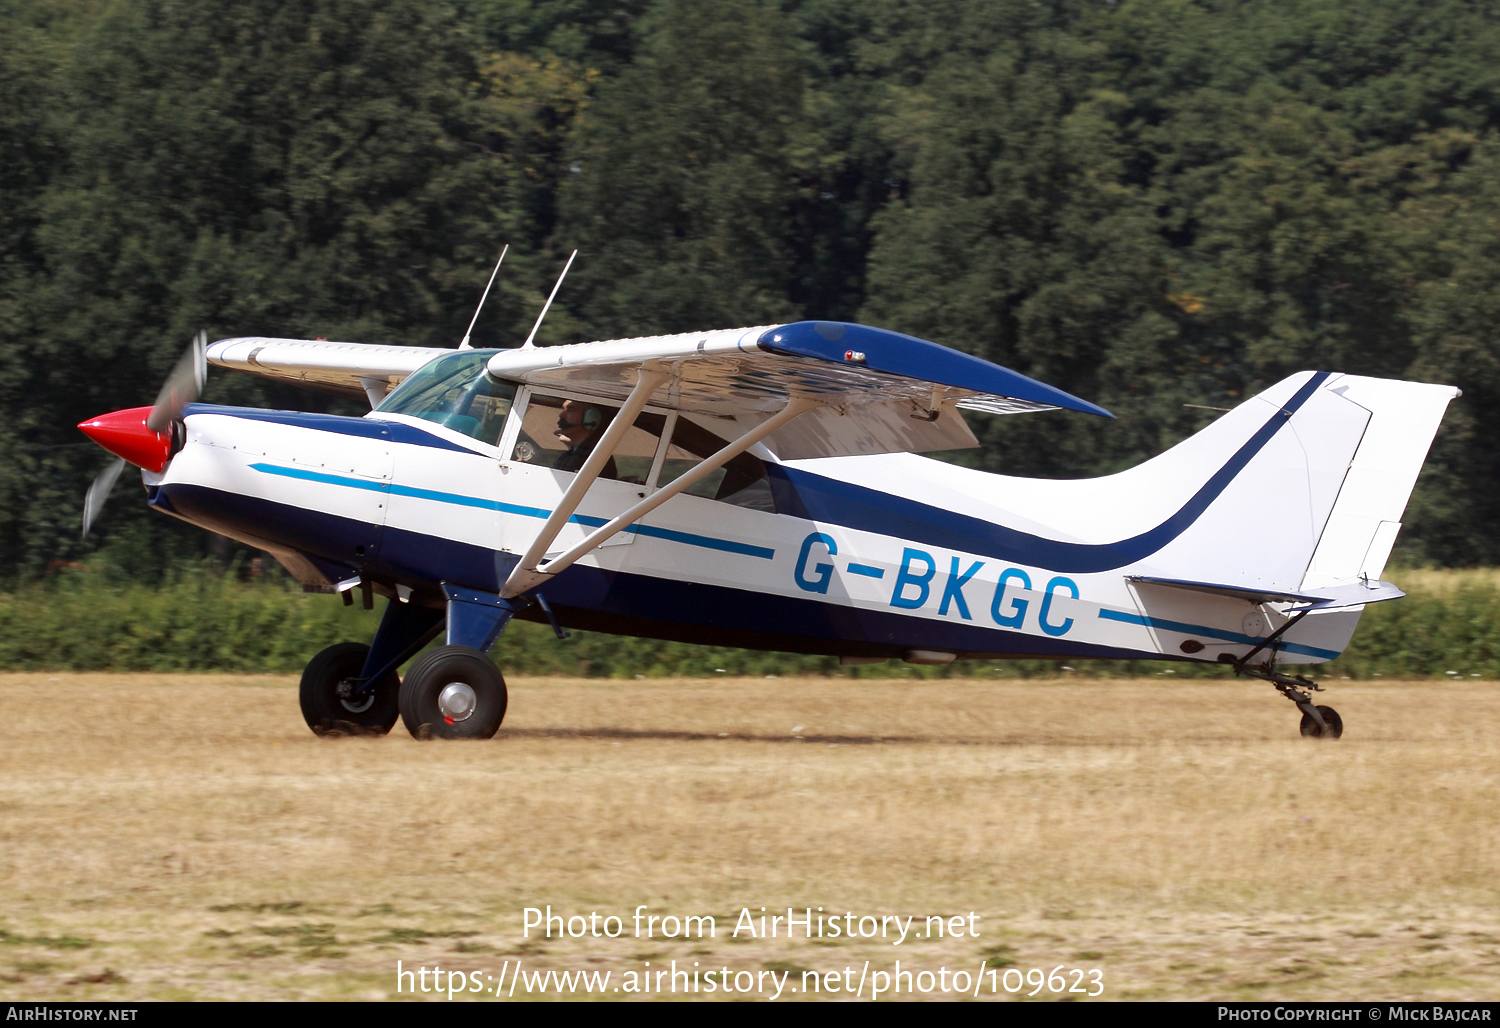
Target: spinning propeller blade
pixel 182 386
pixel 98 492
pixel 146 443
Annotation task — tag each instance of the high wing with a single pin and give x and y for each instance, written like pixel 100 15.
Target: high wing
pixel 876 391
pixel 349 369
pixel 879 391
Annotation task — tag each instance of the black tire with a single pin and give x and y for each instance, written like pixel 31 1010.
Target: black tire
pixel 423 695
pixel 1331 718
pixel 327 706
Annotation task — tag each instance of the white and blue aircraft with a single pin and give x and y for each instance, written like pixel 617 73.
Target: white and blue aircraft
pixel 758 487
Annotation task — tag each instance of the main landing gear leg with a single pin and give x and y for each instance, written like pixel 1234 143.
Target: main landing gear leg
pixel 404 629
pixel 456 691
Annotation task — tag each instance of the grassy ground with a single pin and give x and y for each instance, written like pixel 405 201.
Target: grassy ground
pixel 186 837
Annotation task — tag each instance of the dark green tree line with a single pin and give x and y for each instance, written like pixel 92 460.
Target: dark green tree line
pixel 1151 203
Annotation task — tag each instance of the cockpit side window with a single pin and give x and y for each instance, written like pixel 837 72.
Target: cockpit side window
pixel 457 392
pixel 742 481
pixel 560 433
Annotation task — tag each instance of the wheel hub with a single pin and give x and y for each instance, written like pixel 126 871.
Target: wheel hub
pixel 456 701
pixel 352 701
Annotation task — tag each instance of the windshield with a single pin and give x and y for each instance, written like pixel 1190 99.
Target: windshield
pixel 456 392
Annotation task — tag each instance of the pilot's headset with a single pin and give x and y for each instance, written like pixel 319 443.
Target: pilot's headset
pixel 592 417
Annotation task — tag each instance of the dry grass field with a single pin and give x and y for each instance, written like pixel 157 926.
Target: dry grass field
pixel 177 837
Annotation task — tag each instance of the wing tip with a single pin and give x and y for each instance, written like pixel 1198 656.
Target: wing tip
pixel 896 353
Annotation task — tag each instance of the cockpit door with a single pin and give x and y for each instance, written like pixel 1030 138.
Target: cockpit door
pixel 549 438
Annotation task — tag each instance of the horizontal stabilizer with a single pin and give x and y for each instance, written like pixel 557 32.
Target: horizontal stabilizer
pixel 1331 598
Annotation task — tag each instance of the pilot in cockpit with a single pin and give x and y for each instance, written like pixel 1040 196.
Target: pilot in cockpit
pixel 579 425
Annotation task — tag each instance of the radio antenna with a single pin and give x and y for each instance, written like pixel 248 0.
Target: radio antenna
pixel 548 305
pixel 465 344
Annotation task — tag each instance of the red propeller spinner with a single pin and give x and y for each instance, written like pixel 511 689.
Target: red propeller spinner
pixel 143 435
pixel 126 435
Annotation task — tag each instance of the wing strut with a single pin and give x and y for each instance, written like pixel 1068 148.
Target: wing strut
pixel 604 449
pixel 528 575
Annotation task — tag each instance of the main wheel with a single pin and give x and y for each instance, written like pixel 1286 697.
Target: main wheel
pixel 331 702
pixel 453 692
pixel 1331 718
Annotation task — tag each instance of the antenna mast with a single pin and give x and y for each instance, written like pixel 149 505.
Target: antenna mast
pixel 548 305
pixel 465 344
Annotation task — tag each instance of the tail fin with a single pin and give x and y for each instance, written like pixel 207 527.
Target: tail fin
pixel 1316 473
pixel 1311 477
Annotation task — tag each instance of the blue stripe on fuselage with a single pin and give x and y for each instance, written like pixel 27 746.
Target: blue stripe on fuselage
pixel 363 428
pixel 1211 633
pixel 634 604
pixel 686 538
pixel 830 501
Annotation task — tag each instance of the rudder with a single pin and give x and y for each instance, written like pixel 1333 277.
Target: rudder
pixel 1361 529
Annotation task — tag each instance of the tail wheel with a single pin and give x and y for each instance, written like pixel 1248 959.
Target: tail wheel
pixel 1313 730
pixel 332 702
pixel 453 692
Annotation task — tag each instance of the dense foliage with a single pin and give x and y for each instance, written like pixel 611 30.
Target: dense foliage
pixel 1151 203
pixel 202 620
